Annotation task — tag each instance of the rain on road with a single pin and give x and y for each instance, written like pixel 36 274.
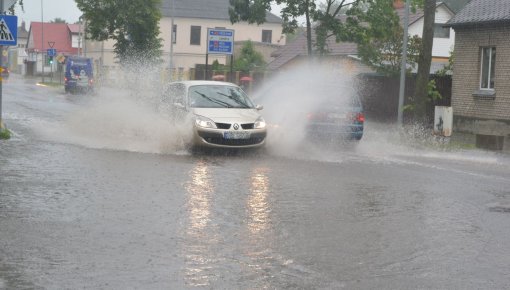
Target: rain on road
pixel 97 197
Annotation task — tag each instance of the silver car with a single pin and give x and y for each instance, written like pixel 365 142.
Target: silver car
pixel 222 114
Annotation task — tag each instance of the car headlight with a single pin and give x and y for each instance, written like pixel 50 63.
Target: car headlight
pixel 259 123
pixel 204 122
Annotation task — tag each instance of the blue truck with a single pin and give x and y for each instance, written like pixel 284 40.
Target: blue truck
pixel 79 75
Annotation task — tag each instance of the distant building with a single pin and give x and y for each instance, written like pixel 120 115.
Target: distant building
pixel 17 54
pixel 481 87
pixel 43 36
pixel 191 20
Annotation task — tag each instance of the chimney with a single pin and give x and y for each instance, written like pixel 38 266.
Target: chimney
pixel 23 25
pixel 398 4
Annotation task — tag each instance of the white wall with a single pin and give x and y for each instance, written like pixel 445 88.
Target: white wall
pixel 186 55
pixel 441 46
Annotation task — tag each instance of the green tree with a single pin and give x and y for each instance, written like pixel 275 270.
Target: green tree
pixel 11 9
pixel 249 59
pixel 134 27
pixel 375 27
pixel 325 17
pixel 58 20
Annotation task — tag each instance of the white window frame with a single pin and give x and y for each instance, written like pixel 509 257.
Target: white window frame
pixel 489 72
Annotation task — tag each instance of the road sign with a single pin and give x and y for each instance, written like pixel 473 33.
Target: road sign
pixel 8 30
pixel 51 52
pixel 220 41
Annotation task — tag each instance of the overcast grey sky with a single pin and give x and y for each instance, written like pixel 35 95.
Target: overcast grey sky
pixel 65 9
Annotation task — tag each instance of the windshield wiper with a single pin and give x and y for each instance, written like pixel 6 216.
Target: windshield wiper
pixel 244 105
pixel 221 103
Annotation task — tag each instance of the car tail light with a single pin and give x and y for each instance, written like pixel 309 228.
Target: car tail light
pixel 360 117
pixel 356 117
pixel 91 81
pixel 65 79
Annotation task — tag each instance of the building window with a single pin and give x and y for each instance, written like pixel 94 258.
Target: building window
pixel 440 31
pixel 174 34
pixel 267 36
pixel 488 63
pixel 195 35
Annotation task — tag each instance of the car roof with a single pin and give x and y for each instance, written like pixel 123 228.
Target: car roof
pixel 202 83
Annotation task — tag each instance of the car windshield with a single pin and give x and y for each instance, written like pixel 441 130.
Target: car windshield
pixel 218 96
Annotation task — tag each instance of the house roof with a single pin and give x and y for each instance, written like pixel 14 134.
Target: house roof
pixel 56 33
pixel 418 14
pixel 479 12
pixel 75 28
pixel 206 9
pixel 298 47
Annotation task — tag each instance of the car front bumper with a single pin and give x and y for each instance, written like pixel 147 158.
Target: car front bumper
pixel 215 138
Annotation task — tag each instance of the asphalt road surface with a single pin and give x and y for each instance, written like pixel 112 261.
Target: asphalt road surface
pixel 97 192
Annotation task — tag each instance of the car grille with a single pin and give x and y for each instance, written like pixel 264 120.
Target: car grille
pixel 234 142
pixel 226 126
pixel 223 125
pixel 247 126
pixel 216 138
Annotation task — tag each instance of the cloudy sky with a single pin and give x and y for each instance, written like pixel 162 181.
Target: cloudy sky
pixel 65 9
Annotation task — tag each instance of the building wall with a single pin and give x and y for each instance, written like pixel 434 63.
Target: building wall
pixel 187 56
pixel 481 115
pixel 441 46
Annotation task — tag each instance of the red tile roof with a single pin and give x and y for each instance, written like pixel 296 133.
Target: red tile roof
pixel 75 28
pixel 58 33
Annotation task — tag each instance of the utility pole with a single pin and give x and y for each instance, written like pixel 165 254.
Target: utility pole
pixel 1 67
pixel 172 35
pixel 42 40
pixel 403 67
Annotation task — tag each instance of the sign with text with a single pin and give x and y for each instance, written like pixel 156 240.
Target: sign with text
pixel 220 41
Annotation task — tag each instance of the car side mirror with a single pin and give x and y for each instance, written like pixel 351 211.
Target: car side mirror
pixel 259 107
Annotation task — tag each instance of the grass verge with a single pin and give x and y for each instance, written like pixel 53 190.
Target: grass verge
pixel 5 134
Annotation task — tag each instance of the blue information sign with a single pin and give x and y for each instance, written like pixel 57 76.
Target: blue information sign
pixel 52 51
pixel 8 30
pixel 220 41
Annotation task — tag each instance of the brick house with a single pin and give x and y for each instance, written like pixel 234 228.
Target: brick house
pixel 481 86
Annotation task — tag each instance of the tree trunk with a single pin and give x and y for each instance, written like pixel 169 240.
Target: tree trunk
pixel 308 31
pixel 422 78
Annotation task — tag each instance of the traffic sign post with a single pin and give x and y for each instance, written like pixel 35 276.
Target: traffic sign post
pixel 220 41
pixel 8 36
pixel 51 52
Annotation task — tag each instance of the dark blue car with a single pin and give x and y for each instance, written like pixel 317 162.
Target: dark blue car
pixel 339 116
pixel 79 75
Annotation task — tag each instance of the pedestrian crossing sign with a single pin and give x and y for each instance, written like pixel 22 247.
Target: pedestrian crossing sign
pixel 8 30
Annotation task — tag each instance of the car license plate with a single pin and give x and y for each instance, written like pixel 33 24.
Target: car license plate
pixel 236 135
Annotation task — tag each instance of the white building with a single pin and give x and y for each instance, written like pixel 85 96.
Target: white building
pixel 191 19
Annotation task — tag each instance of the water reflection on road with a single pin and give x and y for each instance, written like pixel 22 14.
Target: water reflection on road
pixel 200 231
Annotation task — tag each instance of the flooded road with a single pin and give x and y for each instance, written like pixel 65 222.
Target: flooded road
pixel 82 208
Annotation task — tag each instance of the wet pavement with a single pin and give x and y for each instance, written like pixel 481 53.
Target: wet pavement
pixel 87 203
